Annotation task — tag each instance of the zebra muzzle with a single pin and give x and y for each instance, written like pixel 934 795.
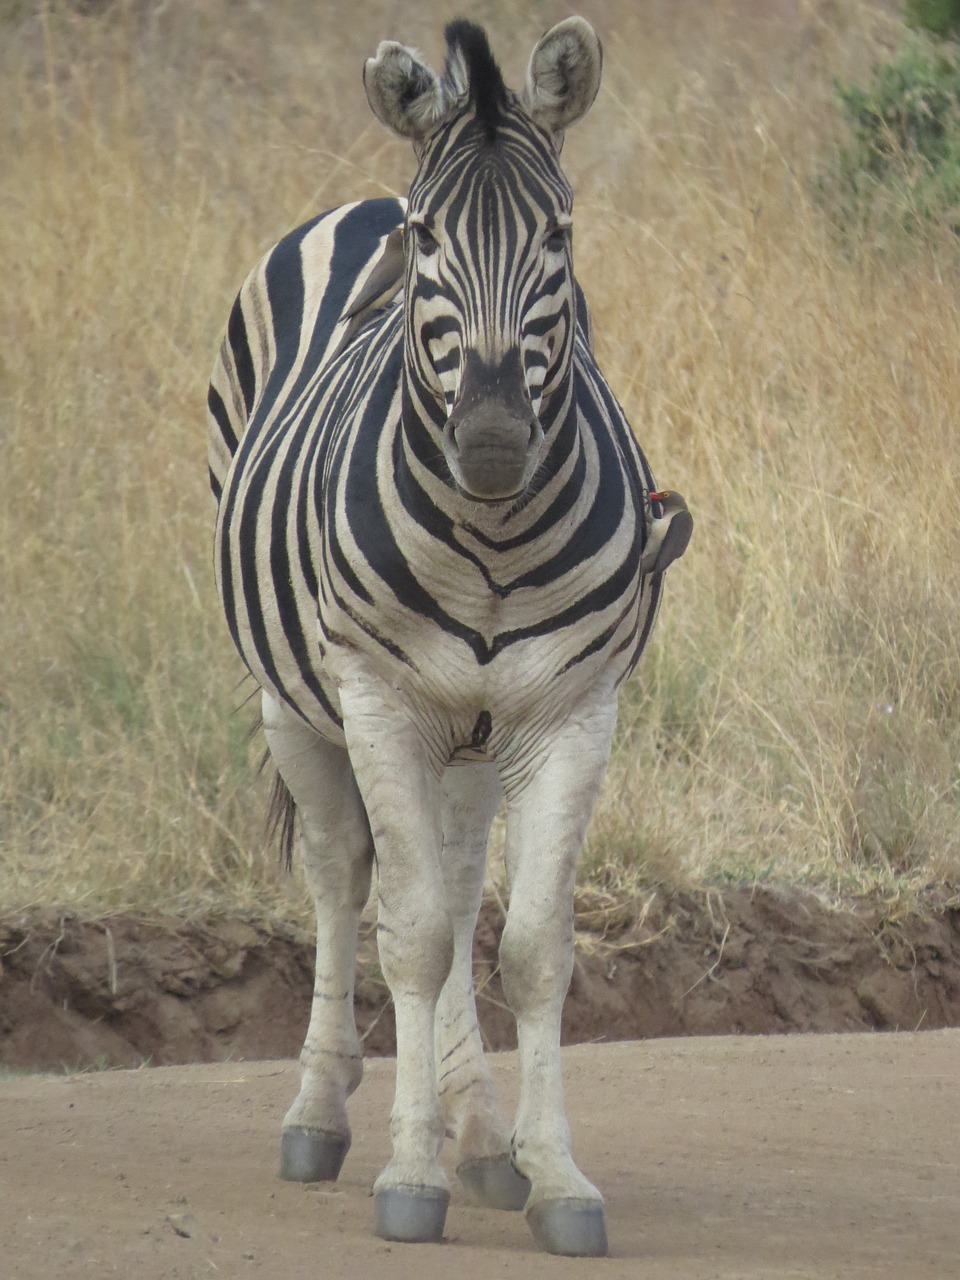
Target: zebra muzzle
pixel 493 439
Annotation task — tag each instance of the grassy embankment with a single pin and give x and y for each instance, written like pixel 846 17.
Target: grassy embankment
pixel 798 715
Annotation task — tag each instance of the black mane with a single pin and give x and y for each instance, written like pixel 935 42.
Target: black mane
pixel 488 93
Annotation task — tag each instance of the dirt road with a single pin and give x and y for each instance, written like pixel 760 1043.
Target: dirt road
pixel 773 1158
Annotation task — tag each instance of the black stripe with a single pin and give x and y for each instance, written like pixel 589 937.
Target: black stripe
pixel 242 359
pixel 596 529
pixel 218 411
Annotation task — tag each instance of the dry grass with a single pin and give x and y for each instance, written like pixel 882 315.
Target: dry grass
pixel 798 716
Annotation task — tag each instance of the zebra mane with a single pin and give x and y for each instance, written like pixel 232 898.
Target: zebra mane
pixel 472 72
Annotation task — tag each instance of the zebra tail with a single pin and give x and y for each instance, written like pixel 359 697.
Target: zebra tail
pixel 281 817
pixel 281 820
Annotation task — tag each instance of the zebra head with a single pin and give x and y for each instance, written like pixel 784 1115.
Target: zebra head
pixel 489 288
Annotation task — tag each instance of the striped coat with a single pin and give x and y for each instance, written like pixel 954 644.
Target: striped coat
pixel 437 546
pixel 330 532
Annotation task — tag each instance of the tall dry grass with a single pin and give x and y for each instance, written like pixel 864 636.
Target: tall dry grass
pixel 797 715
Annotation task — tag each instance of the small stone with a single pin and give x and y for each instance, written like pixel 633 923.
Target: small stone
pixel 182 1224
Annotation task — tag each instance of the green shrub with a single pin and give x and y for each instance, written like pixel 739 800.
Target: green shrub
pixel 905 159
pixel 940 17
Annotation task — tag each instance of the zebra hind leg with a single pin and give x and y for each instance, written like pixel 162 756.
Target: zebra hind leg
pixel 337 851
pixel 470 795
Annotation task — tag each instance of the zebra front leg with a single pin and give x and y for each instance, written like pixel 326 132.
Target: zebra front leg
pixel 337 851
pixel 548 812
pixel 470 796
pixel 399 780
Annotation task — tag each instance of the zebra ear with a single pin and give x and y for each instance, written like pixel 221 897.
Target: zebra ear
pixel 406 95
pixel 564 75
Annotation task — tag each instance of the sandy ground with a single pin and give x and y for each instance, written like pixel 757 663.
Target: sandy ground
pixel 773 1157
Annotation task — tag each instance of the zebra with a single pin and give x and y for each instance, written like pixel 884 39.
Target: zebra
pixel 440 553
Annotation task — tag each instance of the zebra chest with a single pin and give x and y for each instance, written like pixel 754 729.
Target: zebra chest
pixel 460 628
pixel 458 652
pixel 453 623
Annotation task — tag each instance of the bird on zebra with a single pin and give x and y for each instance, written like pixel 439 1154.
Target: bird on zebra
pixel 440 553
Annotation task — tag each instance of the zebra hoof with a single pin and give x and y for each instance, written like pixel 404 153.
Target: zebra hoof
pixel 494 1183
pixel 309 1155
pixel 411 1217
pixel 573 1228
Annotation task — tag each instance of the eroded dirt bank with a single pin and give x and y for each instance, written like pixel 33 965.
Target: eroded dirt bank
pixel 75 993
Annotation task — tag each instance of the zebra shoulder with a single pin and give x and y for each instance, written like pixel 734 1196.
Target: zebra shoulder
pixel 294 304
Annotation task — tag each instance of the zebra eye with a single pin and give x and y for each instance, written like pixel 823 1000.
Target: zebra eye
pixel 557 239
pixel 426 243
